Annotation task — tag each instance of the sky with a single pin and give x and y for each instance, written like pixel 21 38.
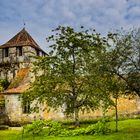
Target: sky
pixel 42 16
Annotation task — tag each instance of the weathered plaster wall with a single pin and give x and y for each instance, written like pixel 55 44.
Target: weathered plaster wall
pixel 15 112
pixel 13 107
pixel 126 107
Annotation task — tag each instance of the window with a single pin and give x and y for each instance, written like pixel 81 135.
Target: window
pixel 5 52
pixel 43 54
pixel 26 107
pixel 19 51
pixel 14 73
pixel 2 53
pixel 37 52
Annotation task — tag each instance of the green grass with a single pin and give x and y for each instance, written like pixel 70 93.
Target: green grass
pixel 128 130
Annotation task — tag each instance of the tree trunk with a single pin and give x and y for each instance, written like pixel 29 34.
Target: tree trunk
pixel 116 113
pixel 76 117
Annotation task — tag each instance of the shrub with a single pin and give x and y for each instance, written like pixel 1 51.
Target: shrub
pixel 40 126
pixel 53 128
pixel 102 127
pixel 35 128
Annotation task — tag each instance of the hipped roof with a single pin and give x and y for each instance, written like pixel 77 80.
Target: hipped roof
pixel 23 38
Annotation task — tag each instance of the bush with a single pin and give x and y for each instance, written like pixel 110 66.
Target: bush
pixel 53 128
pixel 35 128
pixel 102 127
pixel 40 126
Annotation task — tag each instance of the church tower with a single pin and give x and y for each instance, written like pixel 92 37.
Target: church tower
pixel 17 53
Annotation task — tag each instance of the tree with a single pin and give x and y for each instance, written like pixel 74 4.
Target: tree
pixel 124 58
pixel 121 65
pixel 114 69
pixel 3 85
pixel 116 87
pixel 70 73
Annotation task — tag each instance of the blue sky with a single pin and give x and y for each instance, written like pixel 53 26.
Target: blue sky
pixel 41 16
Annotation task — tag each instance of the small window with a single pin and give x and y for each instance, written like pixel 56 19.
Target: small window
pixel 26 108
pixel 37 52
pixel 5 52
pixel 43 54
pixel 14 73
pixel 19 51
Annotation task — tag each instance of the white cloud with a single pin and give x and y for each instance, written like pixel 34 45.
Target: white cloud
pixel 42 16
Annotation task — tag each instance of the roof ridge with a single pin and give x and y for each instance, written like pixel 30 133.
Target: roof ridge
pixel 22 38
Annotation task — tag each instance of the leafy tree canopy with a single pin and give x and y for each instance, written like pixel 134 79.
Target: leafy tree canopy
pixel 69 77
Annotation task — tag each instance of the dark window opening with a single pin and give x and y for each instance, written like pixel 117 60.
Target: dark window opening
pixel 19 51
pixel 5 52
pixel 14 73
pixel 2 53
pixel 26 108
pixel 43 54
pixel 37 52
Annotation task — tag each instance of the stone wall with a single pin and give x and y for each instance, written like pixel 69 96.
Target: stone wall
pixel 11 64
pixel 14 110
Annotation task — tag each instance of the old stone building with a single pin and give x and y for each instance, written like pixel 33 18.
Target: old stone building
pixel 17 53
pixel 16 58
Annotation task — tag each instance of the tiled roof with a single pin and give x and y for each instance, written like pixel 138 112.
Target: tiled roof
pixel 23 38
pixel 18 90
pixel 20 83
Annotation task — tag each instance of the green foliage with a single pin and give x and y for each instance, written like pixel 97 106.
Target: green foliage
pixel 102 127
pixel 35 128
pixel 3 84
pixel 41 126
pixel 123 59
pixel 53 128
pixel 71 73
pixel 129 129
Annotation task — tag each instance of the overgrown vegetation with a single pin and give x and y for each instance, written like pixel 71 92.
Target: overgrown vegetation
pixel 85 71
pixel 52 128
pixel 128 129
pixel 3 84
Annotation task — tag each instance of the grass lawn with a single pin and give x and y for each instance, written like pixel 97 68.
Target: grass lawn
pixel 128 130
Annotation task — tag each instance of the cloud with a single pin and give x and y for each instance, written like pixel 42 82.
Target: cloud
pixel 43 16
